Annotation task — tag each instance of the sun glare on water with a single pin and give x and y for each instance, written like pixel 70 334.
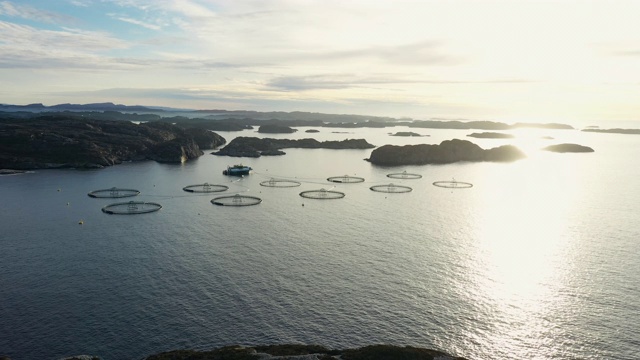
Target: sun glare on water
pixel 522 252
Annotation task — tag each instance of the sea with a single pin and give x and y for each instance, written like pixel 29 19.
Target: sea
pixel 539 259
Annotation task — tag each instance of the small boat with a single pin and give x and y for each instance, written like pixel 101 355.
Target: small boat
pixel 237 170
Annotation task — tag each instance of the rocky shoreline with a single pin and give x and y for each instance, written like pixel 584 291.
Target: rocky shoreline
pixel 54 141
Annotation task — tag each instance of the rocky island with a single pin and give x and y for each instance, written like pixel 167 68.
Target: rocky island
pixel 491 135
pixel 447 152
pixel 57 141
pixel 407 133
pixel 568 148
pixel 614 131
pixel 276 129
pixel 255 147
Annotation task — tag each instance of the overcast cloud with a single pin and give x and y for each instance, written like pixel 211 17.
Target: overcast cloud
pixel 525 60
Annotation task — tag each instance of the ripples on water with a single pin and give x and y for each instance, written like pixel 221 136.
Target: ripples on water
pixel 537 260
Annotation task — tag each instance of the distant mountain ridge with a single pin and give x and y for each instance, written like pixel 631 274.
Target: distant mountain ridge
pixel 106 106
pixel 235 120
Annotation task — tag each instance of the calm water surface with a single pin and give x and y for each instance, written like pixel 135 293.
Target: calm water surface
pixel 539 260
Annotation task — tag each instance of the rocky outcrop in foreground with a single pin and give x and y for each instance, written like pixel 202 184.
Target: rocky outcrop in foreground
pixel 449 151
pixel 66 142
pixel 255 147
pixel 568 148
pixel 306 352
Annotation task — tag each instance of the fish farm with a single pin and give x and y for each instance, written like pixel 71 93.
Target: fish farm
pixel 131 208
pixel 205 188
pixel 280 183
pixel 236 200
pixel 391 188
pixel 453 184
pixel 114 192
pixel 322 194
pixel 346 179
pixel 404 175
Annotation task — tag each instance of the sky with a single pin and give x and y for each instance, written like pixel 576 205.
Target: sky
pixel 539 61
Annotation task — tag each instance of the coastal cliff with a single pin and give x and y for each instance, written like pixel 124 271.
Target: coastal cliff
pixel 69 142
pixel 448 151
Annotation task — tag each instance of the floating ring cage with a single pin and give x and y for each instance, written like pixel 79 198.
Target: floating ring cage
pixel 114 192
pixel 236 200
pixel 280 183
pixel 391 188
pixel 404 175
pixel 131 208
pixel 346 179
pixel 322 194
pixel 453 184
pixel 205 188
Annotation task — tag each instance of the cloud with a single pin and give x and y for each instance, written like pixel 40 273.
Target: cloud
pixel 24 36
pixel 345 81
pixel 80 3
pixel 23 46
pixel 10 9
pixel 139 23
pixel 420 53
pixel 627 53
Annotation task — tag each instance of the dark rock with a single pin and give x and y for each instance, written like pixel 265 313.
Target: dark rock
pixel 206 139
pixel 312 131
pixel 60 142
pixel 276 129
pixel 568 148
pixel 372 352
pixel 273 152
pixel 10 172
pixel 254 147
pixel 389 352
pixel 491 135
pixel 176 150
pixel 449 151
pixel 407 133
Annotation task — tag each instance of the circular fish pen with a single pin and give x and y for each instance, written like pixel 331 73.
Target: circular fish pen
pixel 391 188
pixel 322 194
pixel 205 188
pixel 346 179
pixel 404 175
pixel 131 208
pixel 280 183
pixel 113 193
pixel 236 200
pixel 453 184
